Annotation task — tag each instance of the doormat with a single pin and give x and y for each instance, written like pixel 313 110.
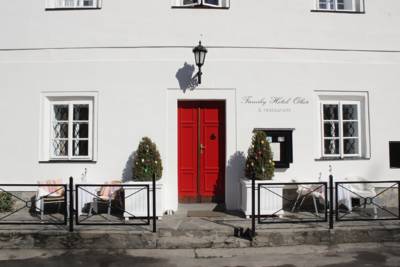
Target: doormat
pixel 204 213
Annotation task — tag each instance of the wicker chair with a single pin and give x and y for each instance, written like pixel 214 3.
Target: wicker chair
pixel 106 195
pixel 48 193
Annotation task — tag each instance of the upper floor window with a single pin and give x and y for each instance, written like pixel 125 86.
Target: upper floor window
pixel 73 4
pixel 340 5
pixel 201 3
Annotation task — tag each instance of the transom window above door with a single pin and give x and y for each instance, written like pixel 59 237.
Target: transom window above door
pixel 201 3
pixel 340 5
pixel 73 4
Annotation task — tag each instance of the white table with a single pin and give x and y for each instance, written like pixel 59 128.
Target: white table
pixel 344 196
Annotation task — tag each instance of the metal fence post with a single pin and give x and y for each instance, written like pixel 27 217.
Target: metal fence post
pixel 71 204
pixel 154 204
pixel 253 205
pixel 331 201
pixel 398 195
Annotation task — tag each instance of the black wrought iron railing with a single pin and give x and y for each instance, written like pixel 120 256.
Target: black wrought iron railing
pixel 99 204
pixel 292 202
pixel 33 204
pixel 80 204
pixel 116 204
pixel 367 200
pixel 322 202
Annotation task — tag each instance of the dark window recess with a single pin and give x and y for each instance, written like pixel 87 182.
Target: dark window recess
pixel 281 145
pixel 394 154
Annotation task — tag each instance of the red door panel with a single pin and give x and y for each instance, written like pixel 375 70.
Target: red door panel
pixel 212 127
pixel 201 151
pixel 187 150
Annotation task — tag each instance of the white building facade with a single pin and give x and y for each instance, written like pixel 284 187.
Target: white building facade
pixel 82 82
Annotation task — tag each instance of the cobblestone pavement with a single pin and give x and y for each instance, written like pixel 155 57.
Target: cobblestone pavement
pixel 366 254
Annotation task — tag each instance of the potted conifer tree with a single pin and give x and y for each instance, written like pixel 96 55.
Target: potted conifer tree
pixel 146 163
pixel 259 162
pixel 261 167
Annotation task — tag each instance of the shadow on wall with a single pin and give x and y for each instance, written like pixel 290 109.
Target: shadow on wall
pixel 185 77
pixel 235 172
pixel 127 173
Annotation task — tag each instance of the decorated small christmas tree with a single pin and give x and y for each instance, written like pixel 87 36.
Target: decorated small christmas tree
pixel 147 161
pixel 259 161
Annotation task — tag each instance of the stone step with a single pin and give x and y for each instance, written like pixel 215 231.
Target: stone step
pixel 184 239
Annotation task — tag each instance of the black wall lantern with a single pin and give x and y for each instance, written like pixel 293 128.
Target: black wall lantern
pixel 199 56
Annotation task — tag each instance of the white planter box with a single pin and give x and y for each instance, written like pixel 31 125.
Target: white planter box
pixel 270 203
pixel 136 199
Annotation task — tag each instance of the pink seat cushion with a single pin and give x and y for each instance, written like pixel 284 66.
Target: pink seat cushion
pixel 50 189
pixel 106 192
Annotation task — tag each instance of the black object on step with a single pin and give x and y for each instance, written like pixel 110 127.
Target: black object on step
pixel 238 231
pixel 248 234
pixel 242 233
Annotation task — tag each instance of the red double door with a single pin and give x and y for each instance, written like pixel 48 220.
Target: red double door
pixel 201 151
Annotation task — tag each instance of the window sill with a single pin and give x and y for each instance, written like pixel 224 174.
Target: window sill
pixel 68 161
pixel 70 8
pixel 341 159
pixel 337 11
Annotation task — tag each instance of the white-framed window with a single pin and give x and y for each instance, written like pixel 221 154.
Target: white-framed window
pixel 340 5
pixel 341 129
pixel 199 3
pixel 57 4
pixel 343 125
pixel 68 127
pixel 71 130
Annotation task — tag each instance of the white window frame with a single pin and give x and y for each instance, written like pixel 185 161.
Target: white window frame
pixel 357 6
pixel 46 131
pixel 340 122
pixel 221 4
pixel 70 137
pixel 71 4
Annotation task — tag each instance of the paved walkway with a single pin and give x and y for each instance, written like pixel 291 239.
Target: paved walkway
pixel 344 255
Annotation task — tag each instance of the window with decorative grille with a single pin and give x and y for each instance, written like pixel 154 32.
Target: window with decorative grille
pixel 71 130
pixel 199 3
pixel 73 4
pixel 340 5
pixel 341 128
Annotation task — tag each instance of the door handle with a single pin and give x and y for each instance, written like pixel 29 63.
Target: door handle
pixel 202 147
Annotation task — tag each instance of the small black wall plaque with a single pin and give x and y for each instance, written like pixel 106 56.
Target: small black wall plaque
pixel 281 145
pixel 394 154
